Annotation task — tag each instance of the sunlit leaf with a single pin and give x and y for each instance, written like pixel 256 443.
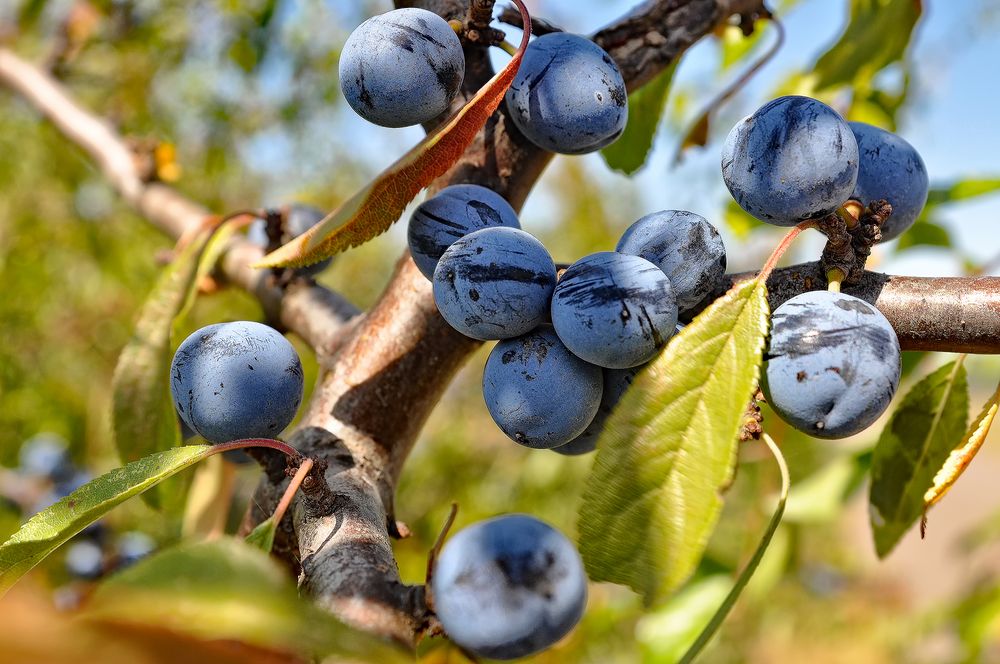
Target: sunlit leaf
pixel 371 211
pixel 666 633
pixel 961 190
pixel 653 497
pixel 963 454
pixel 225 589
pixel 876 36
pixel 645 106
pixel 924 234
pixel 914 445
pixel 51 527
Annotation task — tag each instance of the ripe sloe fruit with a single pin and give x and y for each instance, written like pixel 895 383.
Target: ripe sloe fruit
pixel 495 283
pixel 452 213
pixel 236 380
pixel 793 159
pixel 569 95
pixel 509 587
pixel 616 383
pixel 402 68
pixel 685 246
pixel 891 169
pixel 614 310
pixel 538 393
pixel 46 455
pixel 833 364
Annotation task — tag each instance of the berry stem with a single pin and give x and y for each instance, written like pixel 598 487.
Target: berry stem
pixel 456 25
pixel 293 454
pixel 834 277
pixel 436 549
pixel 780 250
pixel 291 489
pixel 508 48
pixel 748 571
pixel 850 212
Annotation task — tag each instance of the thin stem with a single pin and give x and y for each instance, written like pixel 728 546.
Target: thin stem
pixel 436 549
pixel 456 25
pixel 834 277
pixel 508 48
pixel 291 489
pixel 850 212
pixel 243 443
pixel 780 250
pixel 747 573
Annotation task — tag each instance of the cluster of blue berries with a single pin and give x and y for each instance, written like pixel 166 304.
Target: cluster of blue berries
pixel 569 345
pixel 46 474
pixel 834 360
pixel 406 66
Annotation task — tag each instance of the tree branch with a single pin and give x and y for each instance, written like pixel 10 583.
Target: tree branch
pixel 311 311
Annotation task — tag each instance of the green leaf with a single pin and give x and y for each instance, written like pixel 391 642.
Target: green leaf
pixel 922 432
pixel 48 529
pixel 924 233
pixel 645 106
pixel 665 634
pixel 225 589
pixel 262 536
pixel 961 190
pixel 653 497
pixel 877 36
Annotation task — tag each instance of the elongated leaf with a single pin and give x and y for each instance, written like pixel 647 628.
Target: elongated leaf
pixel 225 589
pixel 371 211
pixel 877 36
pixel 645 106
pixel 926 426
pixel 653 497
pixel 964 453
pixel 45 531
pixel 262 536
pixel 961 190
pixel 924 233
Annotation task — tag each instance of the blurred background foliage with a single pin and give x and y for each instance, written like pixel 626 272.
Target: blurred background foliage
pixel 244 100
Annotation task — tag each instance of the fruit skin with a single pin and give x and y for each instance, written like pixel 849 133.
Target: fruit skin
pixel 614 310
pixel 538 393
pixel 616 383
pixel 833 364
pixel 892 169
pixel 509 587
pixel 402 68
pixel 793 159
pixel 453 213
pixel 495 283
pixel 300 218
pixel 569 95
pixel 85 560
pixel 236 380
pixel 685 246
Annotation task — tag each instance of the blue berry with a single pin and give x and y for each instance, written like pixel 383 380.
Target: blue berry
pixel 616 383
pixel 452 213
pixel 495 283
pixel 539 393
pixel 300 218
pixel 793 159
pixel 509 587
pixel 569 95
pixel 614 310
pixel 133 546
pixel 402 68
pixel 891 169
pixel 236 380
pixel 686 247
pixel 46 455
pixel 833 364
pixel 85 560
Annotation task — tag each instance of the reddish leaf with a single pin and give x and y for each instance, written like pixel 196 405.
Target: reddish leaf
pixel 373 210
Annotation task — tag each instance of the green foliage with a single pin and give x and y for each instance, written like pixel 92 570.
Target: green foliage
pixel 262 536
pixel 927 424
pixel 645 106
pixel 225 589
pixel 53 526
pixel 929 229
pixel 669 449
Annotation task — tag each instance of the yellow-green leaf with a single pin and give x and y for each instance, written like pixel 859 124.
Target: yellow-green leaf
pixel 227 590
pixel 645 106
pixel 962 456
pixel 912 448
pixel 48 529
pixel 371 211
pixel 654 495
pixel 877 36
pixel 262 536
